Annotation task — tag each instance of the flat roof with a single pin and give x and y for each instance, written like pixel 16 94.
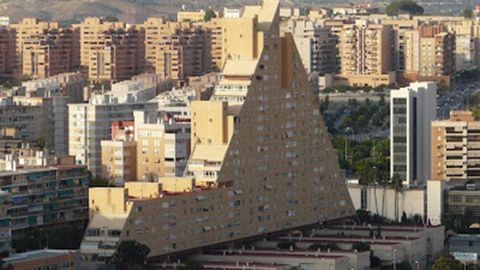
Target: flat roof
pixel 37 254
pixel 210 152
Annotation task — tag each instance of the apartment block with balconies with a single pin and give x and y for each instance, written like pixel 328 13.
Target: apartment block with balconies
pixel 456 147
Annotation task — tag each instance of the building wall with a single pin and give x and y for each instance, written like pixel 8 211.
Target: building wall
pixel 454 147
pixel 119 161
pixel 276 178
pixel 388 203
pixel 7 50
pixel 413 108
pixel 64 193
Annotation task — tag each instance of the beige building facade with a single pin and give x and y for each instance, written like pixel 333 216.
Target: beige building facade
pixel 278 172
pixel 455 147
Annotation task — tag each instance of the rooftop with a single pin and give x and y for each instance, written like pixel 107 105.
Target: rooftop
pixel 37 254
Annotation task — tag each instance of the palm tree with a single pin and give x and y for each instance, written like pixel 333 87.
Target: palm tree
pixel 367 177
pixel 396 183
pixel 374 181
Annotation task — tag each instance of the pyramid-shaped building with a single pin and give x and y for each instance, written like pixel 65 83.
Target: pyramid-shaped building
pixel 261 160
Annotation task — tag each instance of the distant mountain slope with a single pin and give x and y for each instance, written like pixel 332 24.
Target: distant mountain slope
pixel 127 10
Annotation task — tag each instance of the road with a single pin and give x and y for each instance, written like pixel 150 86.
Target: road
pixel 453 100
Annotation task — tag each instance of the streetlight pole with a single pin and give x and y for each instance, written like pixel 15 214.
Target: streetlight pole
pixel 418 265
pixel 464 265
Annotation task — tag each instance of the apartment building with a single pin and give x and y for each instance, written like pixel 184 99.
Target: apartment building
pixel 278 173
pixel 7 50
pixel 90 123
pixel 45 258
pixel 214 29
pixel 50 53
pixel 456 147
pixel 119 154
pixel 26 29
pixel 430 53
pixel 183 53
pixel 5 223
pixel 46 196
pixel 412 110
pixel 316 45
pixel 163 145
pixel 32 116
pixel 119 161
pixel 191 16
pixel 456 198
pixel 367 53
pixel 110 50
pixel 123 130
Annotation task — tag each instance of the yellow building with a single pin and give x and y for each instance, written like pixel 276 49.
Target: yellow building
pixel 279 172
pixel 50 53
pixel 163 145
pixel 366 50
pixel 25 30
pixel 191 16
pixel 455 147
pixel 119 161
pixel 110 50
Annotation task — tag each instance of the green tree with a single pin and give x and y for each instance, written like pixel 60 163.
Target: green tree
pixel 362 246
pixel 190 264
pixel 285 245
pixel 209 15
pixel 404 6
pixel 447 262
pixel 467 13
pixel 130 254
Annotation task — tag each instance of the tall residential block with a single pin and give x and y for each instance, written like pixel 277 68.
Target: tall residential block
pixel 430 52
pixel 183 53
pixel 50 53
pixel 316 44
pixel 456 147
pixel 367 53
pixel 110 50
pixel 25 30
pixel 163 145
pixel 90 123
pixel 279 172
pixel 119 161
pixel 7 50
pixel 412 110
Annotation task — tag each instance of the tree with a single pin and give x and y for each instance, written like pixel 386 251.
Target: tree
pixel 404 6
pixel 467 13
pixel 130 254
pixel 362 246
pixel 396 183
pixel 111 18
pixel 190 264
pixel 286 245
pixel 209 15
pixel 447 262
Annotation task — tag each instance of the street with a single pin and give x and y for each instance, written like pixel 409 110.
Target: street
pixel 453 100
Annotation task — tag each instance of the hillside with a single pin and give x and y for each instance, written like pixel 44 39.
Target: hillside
pixel 126 10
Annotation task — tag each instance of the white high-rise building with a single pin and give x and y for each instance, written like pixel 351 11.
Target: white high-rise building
pixel 412 111
pixel 90 123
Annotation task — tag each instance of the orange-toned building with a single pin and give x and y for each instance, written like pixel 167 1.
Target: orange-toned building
pixel 456 147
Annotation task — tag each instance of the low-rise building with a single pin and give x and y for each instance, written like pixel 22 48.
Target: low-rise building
pixel 44 259
pixel 46 195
